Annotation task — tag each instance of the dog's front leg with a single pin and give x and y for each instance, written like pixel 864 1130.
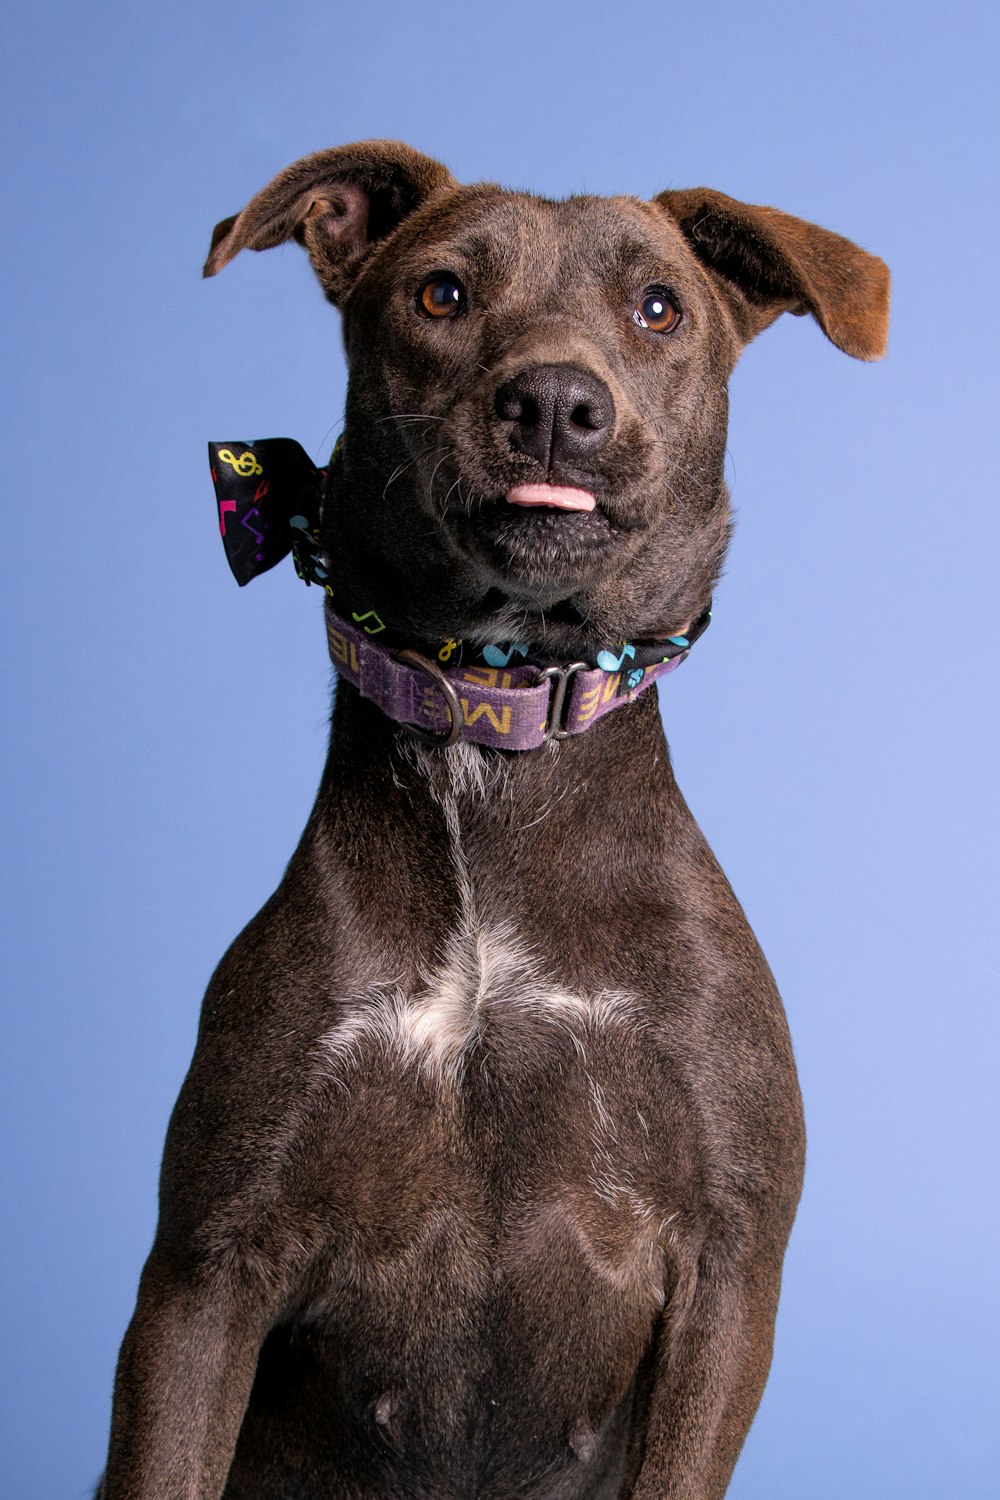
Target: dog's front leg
pixel 184 1376
pixel 712 1358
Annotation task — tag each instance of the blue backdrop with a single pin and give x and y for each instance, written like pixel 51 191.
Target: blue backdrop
pixel 836 731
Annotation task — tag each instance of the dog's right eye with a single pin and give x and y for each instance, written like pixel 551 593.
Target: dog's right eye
pixel 442 296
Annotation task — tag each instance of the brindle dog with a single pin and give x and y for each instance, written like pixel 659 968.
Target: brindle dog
pixel 481 1179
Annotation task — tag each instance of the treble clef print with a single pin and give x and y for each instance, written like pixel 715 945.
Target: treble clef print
pixel 246 464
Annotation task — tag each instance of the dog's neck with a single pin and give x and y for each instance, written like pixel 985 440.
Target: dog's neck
pixel 609 794
pixel 575 838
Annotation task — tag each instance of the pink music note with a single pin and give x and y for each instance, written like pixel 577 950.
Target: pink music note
pixel 225 505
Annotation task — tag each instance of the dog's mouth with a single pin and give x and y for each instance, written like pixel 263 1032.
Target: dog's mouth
pixel 543 543
pixel 542 535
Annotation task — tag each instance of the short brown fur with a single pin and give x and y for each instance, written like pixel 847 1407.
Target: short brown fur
pixel 551 1268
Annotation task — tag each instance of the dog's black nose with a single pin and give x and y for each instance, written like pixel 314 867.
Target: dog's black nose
pixel 558 413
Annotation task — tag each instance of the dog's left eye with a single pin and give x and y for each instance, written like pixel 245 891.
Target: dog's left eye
pixel 442 296
pixel 657 310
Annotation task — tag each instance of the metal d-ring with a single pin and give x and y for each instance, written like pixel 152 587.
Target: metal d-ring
pixel 456 720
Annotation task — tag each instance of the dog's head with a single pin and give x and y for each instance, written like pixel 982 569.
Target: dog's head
pixel 537 405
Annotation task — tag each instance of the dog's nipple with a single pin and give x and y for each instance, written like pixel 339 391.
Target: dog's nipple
pixel 384 1407
pixel 583 1441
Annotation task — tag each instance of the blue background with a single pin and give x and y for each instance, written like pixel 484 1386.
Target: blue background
pixel 835 732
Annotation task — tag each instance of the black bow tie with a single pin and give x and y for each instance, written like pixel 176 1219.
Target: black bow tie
pixel 269 495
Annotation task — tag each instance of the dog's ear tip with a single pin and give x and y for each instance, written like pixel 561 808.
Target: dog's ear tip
pixel 878 342
pixel 870 351
pixel 865 338
pixel 219 253
pixel 871 336
pixel 215 262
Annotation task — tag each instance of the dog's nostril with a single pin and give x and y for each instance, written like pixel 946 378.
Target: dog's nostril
pixel 583 416
pixel 514 405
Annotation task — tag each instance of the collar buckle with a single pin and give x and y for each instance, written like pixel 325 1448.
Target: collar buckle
pixel 555 727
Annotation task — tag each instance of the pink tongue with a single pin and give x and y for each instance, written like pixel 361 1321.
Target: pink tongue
pixel 559 496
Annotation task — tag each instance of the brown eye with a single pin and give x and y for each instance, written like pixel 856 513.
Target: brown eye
pixel 657 310
pixel 442 296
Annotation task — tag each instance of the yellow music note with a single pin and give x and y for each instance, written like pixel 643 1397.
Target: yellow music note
pixel 447 649
pixel 246 464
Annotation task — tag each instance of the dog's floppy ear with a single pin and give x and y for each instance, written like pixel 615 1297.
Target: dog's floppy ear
pixel 338 204
pixel 768 263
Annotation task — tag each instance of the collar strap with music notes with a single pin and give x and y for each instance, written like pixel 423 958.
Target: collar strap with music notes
pixel 269 495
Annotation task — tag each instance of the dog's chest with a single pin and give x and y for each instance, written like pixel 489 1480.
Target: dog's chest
pixel 509 1123
pixel 494 1157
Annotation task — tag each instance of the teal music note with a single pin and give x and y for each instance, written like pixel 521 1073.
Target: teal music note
pixel 496 656
pixel 608 662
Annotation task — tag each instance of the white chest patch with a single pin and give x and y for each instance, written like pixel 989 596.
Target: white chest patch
pixel 487 977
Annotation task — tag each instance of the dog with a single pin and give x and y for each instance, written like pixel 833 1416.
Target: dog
pixel 481 1179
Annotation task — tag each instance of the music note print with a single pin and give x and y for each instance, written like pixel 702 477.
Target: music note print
pixel 608 662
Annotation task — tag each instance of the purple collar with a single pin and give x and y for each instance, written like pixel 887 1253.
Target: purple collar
pixel 507 708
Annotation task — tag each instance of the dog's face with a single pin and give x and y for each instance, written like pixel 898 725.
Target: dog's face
pixel 537 405
pixel 575 346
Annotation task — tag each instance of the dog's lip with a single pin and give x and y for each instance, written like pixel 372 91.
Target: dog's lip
pixel 556 496
pixel 547 543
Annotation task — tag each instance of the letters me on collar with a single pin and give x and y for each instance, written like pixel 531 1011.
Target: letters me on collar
pixel 269 495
